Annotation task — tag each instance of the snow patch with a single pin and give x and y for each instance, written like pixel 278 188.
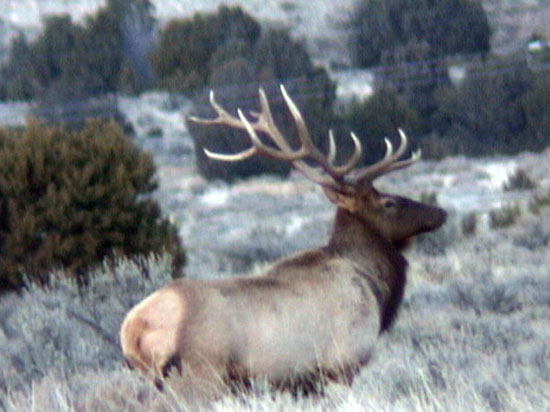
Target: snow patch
pixel 469 200
pixel 449 181
pixel 498 173
pixel 215 197
pixel 294 225
pixel 356 83
pixel 13 113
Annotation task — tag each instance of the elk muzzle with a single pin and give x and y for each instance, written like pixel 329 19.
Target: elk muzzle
pixel 404 218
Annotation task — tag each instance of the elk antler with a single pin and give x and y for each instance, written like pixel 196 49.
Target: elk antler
pixel 326 173
pixel 389 163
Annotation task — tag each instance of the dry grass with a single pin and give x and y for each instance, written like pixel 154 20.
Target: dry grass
pixel 473 333
pixel 466 339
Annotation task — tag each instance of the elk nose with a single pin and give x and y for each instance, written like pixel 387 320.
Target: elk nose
pixel 437 218
pixel 434 217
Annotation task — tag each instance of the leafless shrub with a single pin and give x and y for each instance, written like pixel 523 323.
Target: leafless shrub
pixel 504 217
pixel 484 294
pixel 468 224
pixel 519 180
pixel 63 329
pixel 539 202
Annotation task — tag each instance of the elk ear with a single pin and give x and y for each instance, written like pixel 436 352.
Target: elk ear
pixel 348 201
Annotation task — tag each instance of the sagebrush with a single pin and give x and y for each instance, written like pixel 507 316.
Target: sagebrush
pixel 69 199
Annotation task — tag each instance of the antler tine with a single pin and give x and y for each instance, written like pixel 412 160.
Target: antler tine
pixel 389 163
pixel 222 116
pixel 245 154
pixel 303 132
pixel 354 158
pixel 325 163
pixel 331 157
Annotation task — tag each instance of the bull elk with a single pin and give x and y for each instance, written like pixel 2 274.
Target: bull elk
pixel 311 317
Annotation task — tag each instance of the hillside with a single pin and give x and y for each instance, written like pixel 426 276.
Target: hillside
pixel 473 333
pixel 321 23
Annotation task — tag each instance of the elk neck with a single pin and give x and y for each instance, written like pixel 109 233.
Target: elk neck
pixel 375 258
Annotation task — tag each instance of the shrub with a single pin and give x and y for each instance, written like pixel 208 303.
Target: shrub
pixel 468 224
pixel 484 293
pixel 71 69
pixel 504 217
pixel 484 113
pixel 58 329
pixel 89 59
pixel 277 56
pixel 273 59
pixel 500 107
pixel 372 32
pixel 438 147
pixel 535 105
pixel 538 202
pixel 519 180
pixel 377 117
pixel 69 199
pixel 448 26
pixel 415 73
pixel 33 67
pixel 182 60
pixel 534 235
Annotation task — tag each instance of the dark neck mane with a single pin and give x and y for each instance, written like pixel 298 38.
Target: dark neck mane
pixel 376 258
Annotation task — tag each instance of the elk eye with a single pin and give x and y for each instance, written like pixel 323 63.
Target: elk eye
pixel 390 204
